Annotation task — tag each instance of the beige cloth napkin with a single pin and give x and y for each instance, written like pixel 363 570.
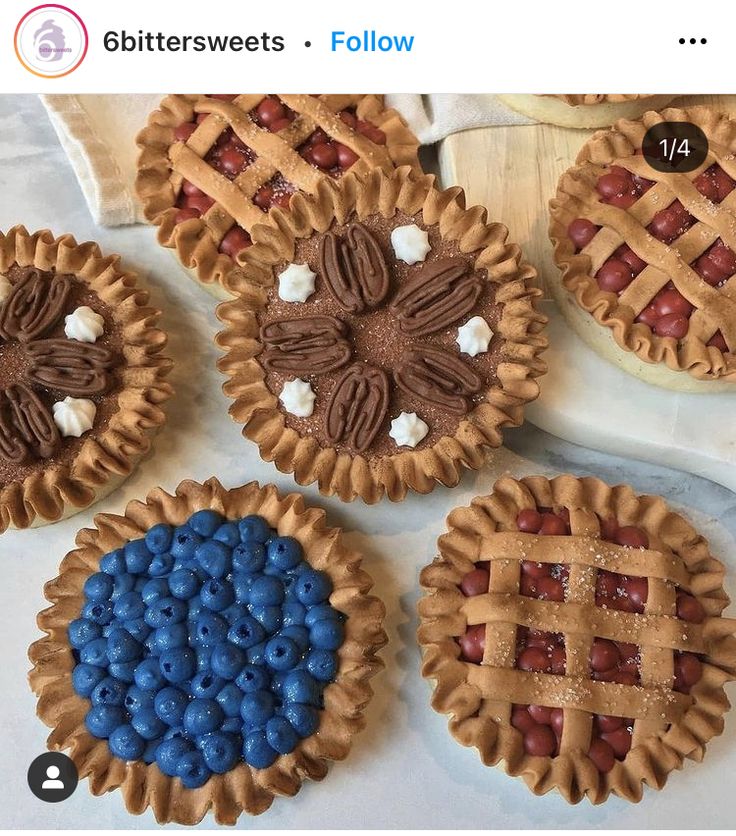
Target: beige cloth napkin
pixel 98 134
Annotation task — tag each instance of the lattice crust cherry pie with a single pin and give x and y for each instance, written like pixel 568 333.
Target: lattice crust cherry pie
pixel 383 338
pixel 575 634
pixel 212 166
pixel 652 256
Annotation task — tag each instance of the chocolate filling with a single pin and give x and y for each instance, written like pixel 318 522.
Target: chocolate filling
pixel 375 337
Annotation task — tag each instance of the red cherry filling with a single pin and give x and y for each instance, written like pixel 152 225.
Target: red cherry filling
pixel 333 157
pixel 670 223
pixel 716 264
pixel 234 241
pixel 714 183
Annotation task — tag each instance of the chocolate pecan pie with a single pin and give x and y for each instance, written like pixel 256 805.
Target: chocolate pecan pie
pixel 80 376
pixel 575 636
pixel 382 337
pixel 648 258
pixel 585 110
pixel 211 166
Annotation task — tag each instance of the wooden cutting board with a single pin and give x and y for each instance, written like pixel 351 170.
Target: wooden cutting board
pixel 513 171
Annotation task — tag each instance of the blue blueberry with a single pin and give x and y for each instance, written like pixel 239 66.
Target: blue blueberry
pixel 124 671
pixel 217 595
pixel 192 770
pixel 229 697
pixel 170 704
pixel 139 582
pixel 98 587
pixel 147 724
pixel 102 720
pixel 178 665
pixel 155 590
pixel 170 752
pixel 176 731
pixel 303 718
pixel 86 677
pixel 202 716
pixel 327 634
pixel 206 522
pixel 171 636
pixel 252 678
pixel 312 587
pixel 220 751
pixel 166 611
pixel 300 686
pixel 257 752
pixel 126 743
pixel 322 665
pixel 320 612
pixel 233 726
pixel 108 692
pixel 195 607
pixel 113 563
pixel 158 539
pixel 269 617
pixel 284 553
pixel 95 653
pixel 122 647
pixel 246 633
pixel 254 529
pixel 227 660
pixel 137 628
pixel 124 582
pixel 241 585
pixel 161 565
pixel 299 635
pixel 281 653
pixel 257 708
pixel 137 557
pixel 204 659
pixel 184 584
pixel 228 533
pixel 98 611
pixel 210 629
pixel 266 591
pixel 249 557
pixel 215 558
pixel 256 654
pixel 148 675
pixel 293 613
pixel 81 631
pixel 129 606
pixel 206 685
pixel 234 613
pixel 281 736
pixel 277 683
pixel 139 699
pixel 184 543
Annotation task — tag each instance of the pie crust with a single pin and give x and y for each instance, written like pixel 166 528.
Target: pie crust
pixel 586 110
pixel 668 726
pixel 87 469
pixel 351 472
pixel 708 367
pixel 164 164
pixel 242 789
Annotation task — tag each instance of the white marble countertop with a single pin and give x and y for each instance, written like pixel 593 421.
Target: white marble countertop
pixel 405 771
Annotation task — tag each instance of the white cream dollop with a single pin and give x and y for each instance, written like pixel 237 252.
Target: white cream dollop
pixel 296 283
pixel 475 336
pixel 84 325
pixel 297 398
pixel 5 288
pixel 74 416
pixel 408 429
pixel 410 243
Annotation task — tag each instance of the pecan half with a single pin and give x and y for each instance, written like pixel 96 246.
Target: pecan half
pixel 439 294
pixel 439 377
pixel 35 305
pixel 354 269
pixel 79 369
pixel 358 405
pixel 305 345
pixel 27 429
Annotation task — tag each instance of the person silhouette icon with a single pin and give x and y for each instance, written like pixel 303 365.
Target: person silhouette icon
pixel 52 781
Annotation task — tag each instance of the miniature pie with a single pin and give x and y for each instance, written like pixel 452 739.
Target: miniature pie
pixel 81 376
pixel 648 259
pixel 207 650
pixel 211 167
pixel 574 633
pixel 584 110
pixel 382 337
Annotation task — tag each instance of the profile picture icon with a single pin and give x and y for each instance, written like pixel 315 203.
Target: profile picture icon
pixel 52 777
pixel 49 41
